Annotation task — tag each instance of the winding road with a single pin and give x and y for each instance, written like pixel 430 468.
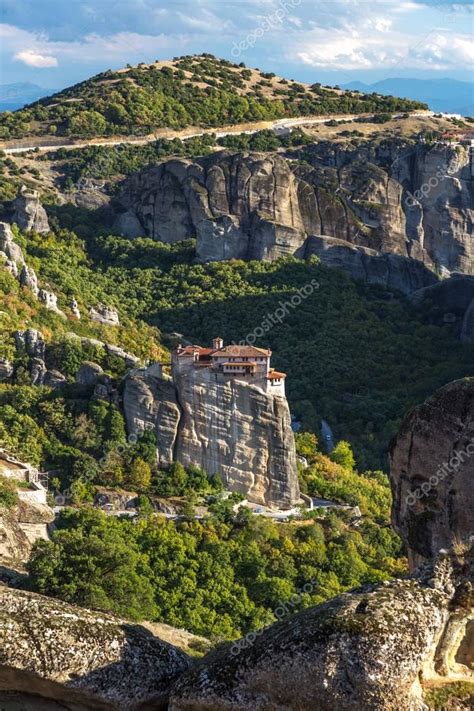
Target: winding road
pixel 10 147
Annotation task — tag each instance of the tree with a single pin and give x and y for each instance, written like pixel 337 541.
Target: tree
pixel 342 454
pixel 93 561
pixel 139 476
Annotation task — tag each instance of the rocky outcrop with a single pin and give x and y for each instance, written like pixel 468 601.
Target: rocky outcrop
pixel 28 213
pixel 241 432
pixel 231 428
pixel 6 369
pixel 30 342
pixel 50 301
pixel 105 315
pixel 408 199
pixel 11 252
pixel 65 653
pixel 431 472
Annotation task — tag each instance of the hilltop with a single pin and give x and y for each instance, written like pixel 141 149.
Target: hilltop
pixel 199 90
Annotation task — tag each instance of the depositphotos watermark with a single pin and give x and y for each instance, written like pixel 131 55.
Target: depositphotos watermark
pixel 449 467
pixel 281 312
pixel 442 173
pixel 270 22
pixel 282 610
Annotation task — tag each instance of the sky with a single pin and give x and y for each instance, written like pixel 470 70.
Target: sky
pixel 56 43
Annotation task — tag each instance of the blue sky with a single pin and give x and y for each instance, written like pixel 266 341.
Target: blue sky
pixel 56 43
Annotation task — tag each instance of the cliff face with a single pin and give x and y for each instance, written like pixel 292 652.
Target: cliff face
pixel 227 427
pixel 406 199
pixel 432 472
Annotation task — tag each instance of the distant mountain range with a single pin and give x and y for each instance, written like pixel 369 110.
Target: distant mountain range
pixel 14 96
pixel 447 95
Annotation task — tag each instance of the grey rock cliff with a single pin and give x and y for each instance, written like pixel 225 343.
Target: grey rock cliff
pixel 29 214
pixel 432 472
pixel 239 431
pixel 263 206
pixel 231 428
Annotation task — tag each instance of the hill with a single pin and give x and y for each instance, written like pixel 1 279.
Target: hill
pixel 447 95
pixel 187 91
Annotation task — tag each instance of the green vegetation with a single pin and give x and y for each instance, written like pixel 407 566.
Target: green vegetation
pixel 111 161
pixel 200 91
pixel 342 328
pixel 222 576
pixel 8 495
pixel 441 698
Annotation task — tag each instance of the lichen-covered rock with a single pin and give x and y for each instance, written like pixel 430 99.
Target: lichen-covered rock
pixel 363 650
pixel 432 472
pixel 29 214
pixel 62 652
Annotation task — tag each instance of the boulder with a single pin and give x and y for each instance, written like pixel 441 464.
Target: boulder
pixel 28 213
pixel 105 314
pixel 432 472
pixel 49 301
pixel 6 369
pixel 89 373
pixel 74 306
pixel 71 655
pixel 54 379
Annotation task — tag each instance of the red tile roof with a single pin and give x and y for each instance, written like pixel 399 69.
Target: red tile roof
pixel 275 375
pixel 242 351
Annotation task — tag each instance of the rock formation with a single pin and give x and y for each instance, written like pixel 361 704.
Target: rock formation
pixel 29 214
pixel 262 206
pixel 432 472
pixel 105 314
pixel 90 659
pixel 231 427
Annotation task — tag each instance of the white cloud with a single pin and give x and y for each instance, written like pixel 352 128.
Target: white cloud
pixel 35 59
